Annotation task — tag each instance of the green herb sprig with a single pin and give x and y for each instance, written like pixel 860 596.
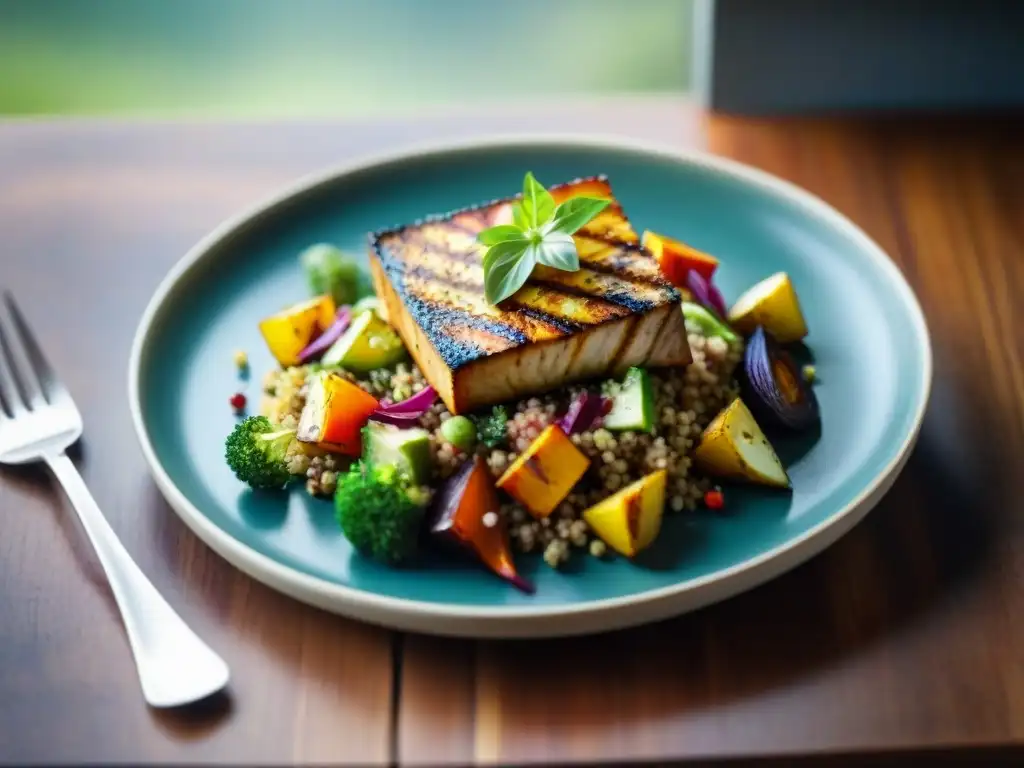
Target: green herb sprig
pixel 540 233
pixel 492 428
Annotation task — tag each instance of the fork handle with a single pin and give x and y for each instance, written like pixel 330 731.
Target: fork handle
pixel 175 667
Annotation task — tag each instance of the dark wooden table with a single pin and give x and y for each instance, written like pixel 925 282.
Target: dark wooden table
pixel 905 637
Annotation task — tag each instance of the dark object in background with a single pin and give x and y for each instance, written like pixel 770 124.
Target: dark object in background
pixel 787 56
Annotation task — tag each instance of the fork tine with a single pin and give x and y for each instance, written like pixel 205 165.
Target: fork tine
pixel 9 396
pixel 36 376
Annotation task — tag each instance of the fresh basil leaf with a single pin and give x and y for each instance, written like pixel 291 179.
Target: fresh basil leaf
pixel 519 217
pixel 540 233
pixel 538 204
pixel 577 211
pixel 509 249
pixel 557 250
pixel 500 234
pixel 507 275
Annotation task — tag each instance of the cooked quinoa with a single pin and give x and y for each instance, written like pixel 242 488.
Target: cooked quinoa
pixel 685 402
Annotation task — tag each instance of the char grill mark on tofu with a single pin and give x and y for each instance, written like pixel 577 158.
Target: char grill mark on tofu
pixel 559 327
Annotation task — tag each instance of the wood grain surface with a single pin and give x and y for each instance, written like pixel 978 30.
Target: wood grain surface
pixel 907 635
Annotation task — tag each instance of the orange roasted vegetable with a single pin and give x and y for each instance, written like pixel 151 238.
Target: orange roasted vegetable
pixel 545 472
pixel 289 331
pixel 335 413
pixel 676 259
pixel 465 517
pixel 628 521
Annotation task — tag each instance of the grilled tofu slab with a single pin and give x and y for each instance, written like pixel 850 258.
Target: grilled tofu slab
pixel 561 327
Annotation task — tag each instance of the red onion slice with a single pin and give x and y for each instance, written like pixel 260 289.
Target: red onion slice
pixel 417 404
pixel 768 374
pixel 407 413
pixel 706 293
pixel 396 419
pixel 583 411
pixel 323 342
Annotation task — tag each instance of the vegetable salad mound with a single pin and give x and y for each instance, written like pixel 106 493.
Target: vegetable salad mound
pixel 585 468
pixel 684 403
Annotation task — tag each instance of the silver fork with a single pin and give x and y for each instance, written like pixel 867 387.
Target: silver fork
pixel 38 421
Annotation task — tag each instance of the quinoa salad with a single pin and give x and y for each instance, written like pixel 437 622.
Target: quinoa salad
pixel 577 465
pixel 685 403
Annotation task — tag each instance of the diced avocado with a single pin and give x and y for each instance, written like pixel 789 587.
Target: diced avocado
pixel 632 403
pixel 368 344
pixel 407 449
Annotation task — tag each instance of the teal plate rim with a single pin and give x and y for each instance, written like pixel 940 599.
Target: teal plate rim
pixel 546 620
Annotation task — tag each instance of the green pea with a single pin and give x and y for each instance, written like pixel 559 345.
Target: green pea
pixel 460 432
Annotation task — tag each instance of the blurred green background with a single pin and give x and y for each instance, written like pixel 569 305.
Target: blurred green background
pixel 331 57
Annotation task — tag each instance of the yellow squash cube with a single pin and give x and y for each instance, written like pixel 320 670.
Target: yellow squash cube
pixel 630 520
pixel 771 303
pixel 290 331
pixel 545 473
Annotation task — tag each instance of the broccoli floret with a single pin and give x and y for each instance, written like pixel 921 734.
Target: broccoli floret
pixel 492 429
pixel 257 452
pixel 379 511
